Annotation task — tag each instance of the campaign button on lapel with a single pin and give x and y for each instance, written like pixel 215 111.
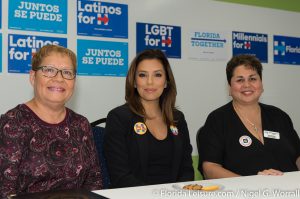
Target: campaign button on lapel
pixel 245 141
pixel 174 130
pixel 140 128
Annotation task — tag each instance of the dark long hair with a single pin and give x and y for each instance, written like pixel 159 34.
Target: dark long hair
pixel 167 99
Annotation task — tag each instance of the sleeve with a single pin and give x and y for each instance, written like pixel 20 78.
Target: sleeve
pixel 293 137
pixel 186 169
pixel 93 180
pixel 11 149
pixel 211 143
pixel 116 151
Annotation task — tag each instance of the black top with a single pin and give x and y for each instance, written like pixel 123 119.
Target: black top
pixel 225 140
pixel 160 161
pixel 127 150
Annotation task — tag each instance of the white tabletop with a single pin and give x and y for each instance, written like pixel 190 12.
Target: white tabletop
pixel 258 186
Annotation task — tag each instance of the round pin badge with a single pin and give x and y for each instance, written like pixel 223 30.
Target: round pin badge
pixel 174 130
pixel 140 128
pixel 245 141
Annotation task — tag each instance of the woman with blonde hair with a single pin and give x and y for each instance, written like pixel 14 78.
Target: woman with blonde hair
pixel 43 144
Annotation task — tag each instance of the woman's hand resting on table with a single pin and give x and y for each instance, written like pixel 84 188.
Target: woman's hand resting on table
pixel 272 172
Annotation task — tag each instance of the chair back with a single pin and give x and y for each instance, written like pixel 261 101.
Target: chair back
pixel 198 147
pixel 98 133
pixel 198 137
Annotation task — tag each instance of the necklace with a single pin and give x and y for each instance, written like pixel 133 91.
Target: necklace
pixel 252 124
pixel 255 128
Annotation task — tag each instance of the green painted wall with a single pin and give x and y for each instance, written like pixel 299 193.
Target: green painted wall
pixel 290 5
pixel 198 176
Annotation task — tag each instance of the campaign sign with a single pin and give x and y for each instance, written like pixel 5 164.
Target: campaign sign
pixel 21 48
pixel 38 15
pixel 1 53
pixel 250 43
pixel 0 14
pixel 102 58
pixel 208 46
pixel 102 19
pixel 286 50
pixel 164 37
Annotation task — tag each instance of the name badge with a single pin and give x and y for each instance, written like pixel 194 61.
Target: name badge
pixel 272 135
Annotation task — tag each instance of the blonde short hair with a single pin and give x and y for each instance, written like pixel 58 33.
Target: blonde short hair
pixel 47 50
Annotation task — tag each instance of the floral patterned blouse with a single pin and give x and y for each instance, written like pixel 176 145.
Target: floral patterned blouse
pixel 36 156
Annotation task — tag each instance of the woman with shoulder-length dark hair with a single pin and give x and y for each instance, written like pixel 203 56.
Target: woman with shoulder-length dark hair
pixel 168 96
pixel 147 139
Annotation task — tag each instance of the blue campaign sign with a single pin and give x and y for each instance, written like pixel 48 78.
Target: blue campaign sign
pixel 38 15
pixel 0 14
pixel 250 43
pixel 102 19
pixel 1 53
pixel 164 37
pixel 21 48
pixel 102 58
pixel 286 50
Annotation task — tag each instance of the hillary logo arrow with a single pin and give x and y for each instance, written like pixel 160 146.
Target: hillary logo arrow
pixel 103 19
pixel 166 41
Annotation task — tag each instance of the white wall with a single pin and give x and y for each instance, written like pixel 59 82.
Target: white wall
pixel 202 85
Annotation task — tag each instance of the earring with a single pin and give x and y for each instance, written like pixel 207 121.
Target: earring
pixel 165 85
pixel 134 85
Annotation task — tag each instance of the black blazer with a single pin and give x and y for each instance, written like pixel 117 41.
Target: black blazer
pixel 127 152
